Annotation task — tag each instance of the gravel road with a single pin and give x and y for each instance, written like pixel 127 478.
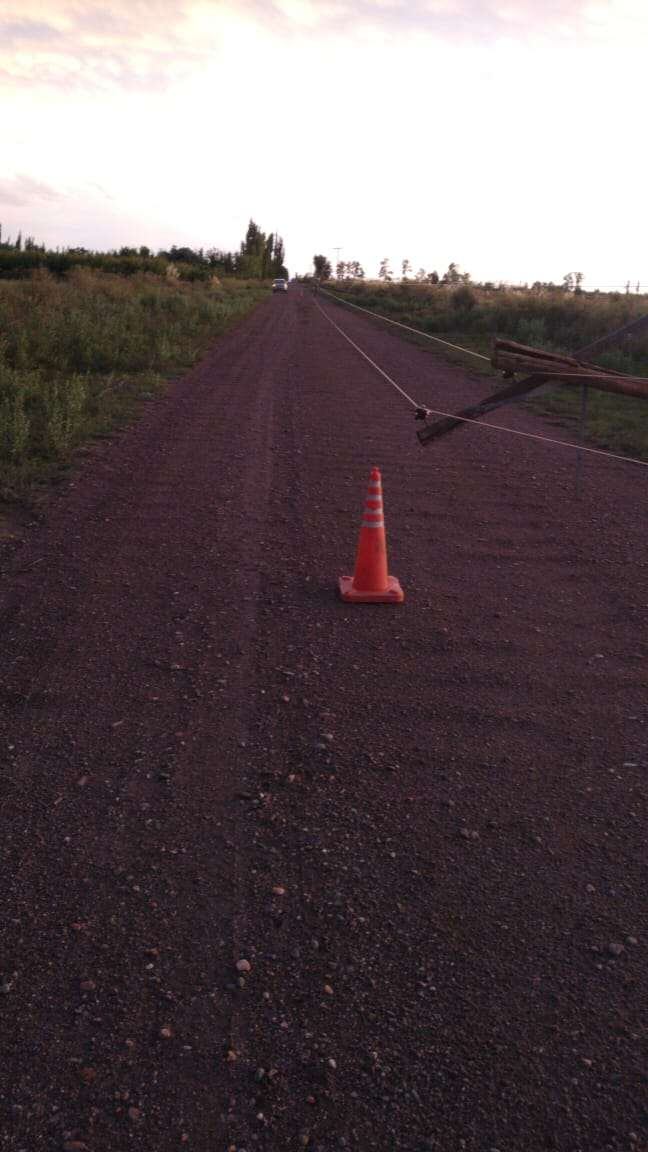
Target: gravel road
pixel 282 873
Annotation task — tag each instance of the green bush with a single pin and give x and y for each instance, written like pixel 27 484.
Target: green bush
pixel 463 299
pixel 14 426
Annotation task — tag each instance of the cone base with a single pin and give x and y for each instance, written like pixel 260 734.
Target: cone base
pixel 392 594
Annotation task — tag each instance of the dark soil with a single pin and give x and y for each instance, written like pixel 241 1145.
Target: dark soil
pixel 423 827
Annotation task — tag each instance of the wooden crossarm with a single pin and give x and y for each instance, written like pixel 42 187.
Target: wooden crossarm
pixel 545 366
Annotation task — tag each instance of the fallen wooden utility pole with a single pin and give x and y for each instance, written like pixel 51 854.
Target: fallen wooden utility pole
pixel 512 358
pixel 545 366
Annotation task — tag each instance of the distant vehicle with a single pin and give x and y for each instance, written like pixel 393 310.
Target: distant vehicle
pixel 280 285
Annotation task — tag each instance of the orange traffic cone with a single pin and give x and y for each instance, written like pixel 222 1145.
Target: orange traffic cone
pixel 370 583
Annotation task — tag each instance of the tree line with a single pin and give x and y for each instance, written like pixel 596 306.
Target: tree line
pixel 259 257
pixel 454 277
pixel 353 270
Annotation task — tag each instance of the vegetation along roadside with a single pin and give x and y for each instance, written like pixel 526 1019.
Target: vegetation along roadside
pixel 85 337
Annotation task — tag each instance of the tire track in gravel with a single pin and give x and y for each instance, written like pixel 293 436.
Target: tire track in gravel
pixel 119 911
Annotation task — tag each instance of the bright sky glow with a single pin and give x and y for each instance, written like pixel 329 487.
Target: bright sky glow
pixel 506 135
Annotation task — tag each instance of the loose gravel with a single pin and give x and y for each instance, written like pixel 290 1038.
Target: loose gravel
pixel 280 872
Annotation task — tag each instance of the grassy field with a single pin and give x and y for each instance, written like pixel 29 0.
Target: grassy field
pixel 79 354
pixel 556 320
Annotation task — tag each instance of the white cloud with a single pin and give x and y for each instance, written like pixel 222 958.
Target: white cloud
pixel 302 12
pixel 22 191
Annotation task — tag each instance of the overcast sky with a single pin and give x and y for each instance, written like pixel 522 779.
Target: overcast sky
pixel 506 135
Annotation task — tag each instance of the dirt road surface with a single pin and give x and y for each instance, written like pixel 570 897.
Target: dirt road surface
pixel 423 827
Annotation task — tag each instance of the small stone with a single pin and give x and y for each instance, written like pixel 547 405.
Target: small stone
pixel 134 1114
pixel 586 1062
pixel 327 736
pixel 243 966
pixel 590 888
pixel 332 1063
pixel 279 891
pixel 231 1056
pixel 328 990
pixel 615 949
pixel 632 940
pixel 166 1033
pixel 260 1075
pixel 88 985
pixel 82 781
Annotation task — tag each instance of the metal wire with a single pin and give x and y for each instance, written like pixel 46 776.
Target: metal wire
pixel 368 359
pixel 480 423
pixel 417 331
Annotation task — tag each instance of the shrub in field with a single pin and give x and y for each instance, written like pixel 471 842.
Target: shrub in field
pixel 57 411
pixel 463 299
pixel 14 425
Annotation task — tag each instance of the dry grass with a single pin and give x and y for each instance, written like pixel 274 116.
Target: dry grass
pixel 78 355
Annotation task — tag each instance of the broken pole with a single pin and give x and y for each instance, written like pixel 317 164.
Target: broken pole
pixel 515 391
